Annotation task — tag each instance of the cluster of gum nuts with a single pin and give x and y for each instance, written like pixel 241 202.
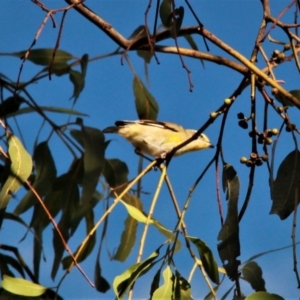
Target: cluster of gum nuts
pixel 262 138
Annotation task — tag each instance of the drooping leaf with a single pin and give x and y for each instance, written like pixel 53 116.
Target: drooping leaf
pixel 128 236
pixel 116 172
pixel 253 274
pixel 44 56
pixel 165 13
pixel 193 45
pixel 83 64
pixel 101 284
pixel 70 199
pixel 229 247
pixel 146 106
pixel 264 296
pixel 60 110
pixel 166 291
pixel 123 282
pixel 22 287
pixel 177 21
pixel 89 246
pixel 78 82
pixel 141 217
pixel 8 261
pixel 155 282
pixel 284 188
pixel 45 176
pixel 20 169
pixel 59 69
pixel 191 41
pixel 10 105
pixel 207 258
pixel 182 288
pixel 146 55
pixel 93 141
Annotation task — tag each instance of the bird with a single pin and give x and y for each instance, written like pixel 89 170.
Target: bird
pixel 156 138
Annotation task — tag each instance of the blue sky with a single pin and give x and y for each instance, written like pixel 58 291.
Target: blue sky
pixel 108 96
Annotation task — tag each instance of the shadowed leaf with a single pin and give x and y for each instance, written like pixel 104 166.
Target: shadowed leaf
pixel 264 296
pixel 116 172
pixel 253 274
pixel 70 203
pixel 229 247
pixel 45 176
pixel 88 247
pixel 10 105
pixel 101 283
pixel 123 282
pixel 83 64
pixel 78 82
pixel 93 142
pixel 177 21
pixel 60 110
pixel 207 258
pixel 284 188
pixel 146 106
pixel 44 56
pixel 182 288
pixel 165 11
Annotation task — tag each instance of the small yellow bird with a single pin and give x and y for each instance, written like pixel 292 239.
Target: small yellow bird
pixel 158 138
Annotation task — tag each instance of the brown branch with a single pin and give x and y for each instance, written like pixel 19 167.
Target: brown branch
pixel 144 45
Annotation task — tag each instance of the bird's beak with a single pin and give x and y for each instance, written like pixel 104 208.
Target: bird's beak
pixel 211 146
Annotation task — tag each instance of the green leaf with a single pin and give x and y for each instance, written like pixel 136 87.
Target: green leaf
pixel 264 296
pixel 146 106
pixel 123 282
pixel 282 99
pixel 116 172
pixel 59 69
pixel 70 199
pixel 101 284
pixel 193 45
pixel 229 247
pixel 19 286
pixel 165 13
pixel 10 106
pixel 182 288
pixel 207 258
pixel 179 13
pixel 284 188
pixel 78 81
pixel 141 217
pixel 8 261
pixel 93 160
pixel 146 55
pixel 166 290
pixel 191 41
pixel 128 236
pixel 20 169
pixel 253 274
pixel 44 56
pixel 53 109
pixel 83 64
pixel 88 247
pixel 45 176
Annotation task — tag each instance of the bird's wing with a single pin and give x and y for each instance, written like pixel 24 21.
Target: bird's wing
pixel 157 124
